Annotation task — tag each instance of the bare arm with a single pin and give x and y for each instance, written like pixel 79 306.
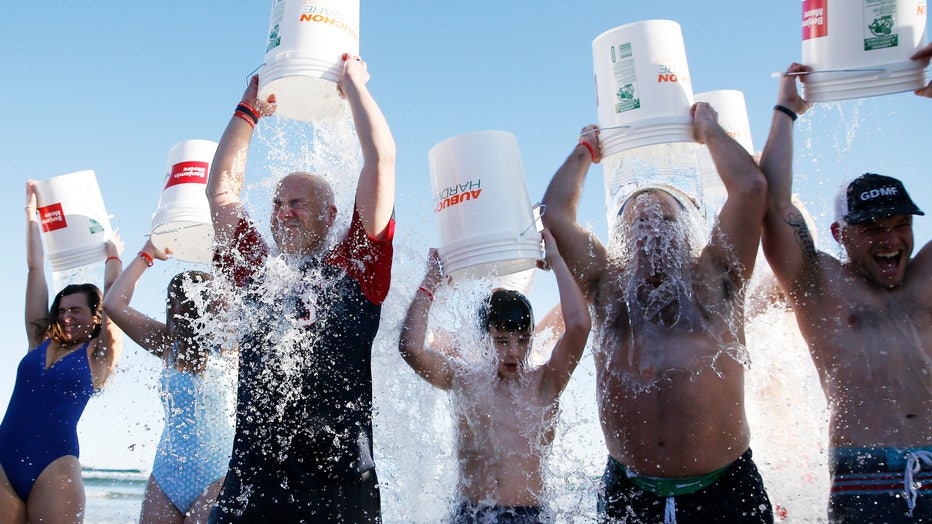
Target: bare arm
pixel 569 347
pixel 375 192
pixel 150 334
pixel 108 347
pixel 582 251
pixel 787 242
pixel 433 366
pixel 228 169
pixel 735 241
pixel 37 289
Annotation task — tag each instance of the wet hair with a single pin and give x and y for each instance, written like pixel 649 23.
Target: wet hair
pixel 656 189
pixel 506 310
pixel 177 294
pixel 94 299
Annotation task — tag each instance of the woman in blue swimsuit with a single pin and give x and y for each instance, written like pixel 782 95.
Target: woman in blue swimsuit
pixel 73 348
pixel 198 389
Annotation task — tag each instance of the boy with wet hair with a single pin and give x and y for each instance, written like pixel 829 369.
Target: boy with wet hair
pixel 505 412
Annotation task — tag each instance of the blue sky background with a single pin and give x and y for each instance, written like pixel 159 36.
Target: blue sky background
pixel 111 86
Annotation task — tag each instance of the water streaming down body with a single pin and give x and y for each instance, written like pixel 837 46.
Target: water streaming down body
pixel 656 243
pixel 415 431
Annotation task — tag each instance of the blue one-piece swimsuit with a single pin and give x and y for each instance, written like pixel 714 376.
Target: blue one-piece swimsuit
pixel 41 421
pixel 194 451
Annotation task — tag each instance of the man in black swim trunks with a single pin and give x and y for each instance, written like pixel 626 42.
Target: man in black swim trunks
pixel 669 338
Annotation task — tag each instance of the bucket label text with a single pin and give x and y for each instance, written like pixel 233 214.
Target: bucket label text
pixel 457 194
pixel 191 172
pixel 815 19
pixel 275 23
pixel 328 15
pixel 626 79
pixel 880 24
pixel 52 218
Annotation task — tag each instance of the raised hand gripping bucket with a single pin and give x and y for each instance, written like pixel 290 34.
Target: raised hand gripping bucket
pixel 182 221
pixel 303 57
pixel 733 117
pixel 487 224
pixel 74 221
pixel 643 87
pixel 861 48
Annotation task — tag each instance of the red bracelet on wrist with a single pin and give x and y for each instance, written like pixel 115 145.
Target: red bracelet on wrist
pixel 253 112
pixel 113 258
pixel 429 293
pixel 591 149
pixel 245 118
pixel 147 257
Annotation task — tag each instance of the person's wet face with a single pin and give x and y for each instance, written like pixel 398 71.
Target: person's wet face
pixel 302 213
pixel 879 249
pixel 77 320
pixel 512 350
pixel 652 230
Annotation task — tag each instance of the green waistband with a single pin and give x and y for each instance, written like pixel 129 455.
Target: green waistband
pixel 673 487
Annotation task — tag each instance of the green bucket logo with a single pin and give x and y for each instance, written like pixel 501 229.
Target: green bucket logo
pixel 275 39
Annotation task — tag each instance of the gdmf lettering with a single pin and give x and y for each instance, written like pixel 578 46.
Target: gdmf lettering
pixel 874 193
pixel 324 15
pixel 457 194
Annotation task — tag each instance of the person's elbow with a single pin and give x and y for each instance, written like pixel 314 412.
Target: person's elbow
pixel 578 327
pixel 753 190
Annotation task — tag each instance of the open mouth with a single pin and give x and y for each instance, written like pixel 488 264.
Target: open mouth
pixel 888 261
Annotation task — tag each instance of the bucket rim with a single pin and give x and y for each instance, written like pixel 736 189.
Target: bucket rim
pixel 652 21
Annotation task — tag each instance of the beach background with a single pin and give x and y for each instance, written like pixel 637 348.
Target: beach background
pixel 112 86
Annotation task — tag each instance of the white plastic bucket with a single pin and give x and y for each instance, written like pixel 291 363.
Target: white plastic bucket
pixel 643 87
pixel 303 57
pixel 487 224
pixel 74 222
pixel 182 221
pixel 733 117
pixel 861 47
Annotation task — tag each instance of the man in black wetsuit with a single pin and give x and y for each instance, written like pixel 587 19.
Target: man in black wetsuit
pixel 303 447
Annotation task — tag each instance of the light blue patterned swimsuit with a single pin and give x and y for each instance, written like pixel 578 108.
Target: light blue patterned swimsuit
pixel 197 440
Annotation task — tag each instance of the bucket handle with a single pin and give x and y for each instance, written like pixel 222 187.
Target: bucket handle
pixel 538 211
pixel 882 72
pixel 602 129
pixel 176 229
pixel 251 74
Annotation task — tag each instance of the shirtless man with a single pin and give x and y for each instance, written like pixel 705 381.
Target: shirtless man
pixel 669 338
pixel 868 322
pixel 505 411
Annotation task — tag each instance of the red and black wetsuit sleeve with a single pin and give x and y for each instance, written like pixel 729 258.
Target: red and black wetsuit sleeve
pixel 366 259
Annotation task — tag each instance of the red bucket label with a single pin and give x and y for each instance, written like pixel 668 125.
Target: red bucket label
pixel 52 217
pixel 815 19
pixel 188 173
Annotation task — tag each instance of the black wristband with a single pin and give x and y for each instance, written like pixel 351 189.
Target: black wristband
pixel 786 111
pixel 246 110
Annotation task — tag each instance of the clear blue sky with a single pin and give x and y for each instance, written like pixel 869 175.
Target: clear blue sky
pixel 111 86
